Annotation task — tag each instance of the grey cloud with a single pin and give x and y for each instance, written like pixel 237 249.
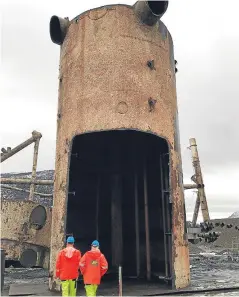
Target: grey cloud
pixel 210 112
pixel 28 57
pixel 216 202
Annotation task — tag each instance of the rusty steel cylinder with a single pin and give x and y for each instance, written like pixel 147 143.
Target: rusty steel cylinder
pixel 117 71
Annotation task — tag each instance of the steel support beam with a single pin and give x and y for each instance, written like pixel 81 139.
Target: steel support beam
pixel 7 180
pixel 116 220
pixel 199 181
pixel 34 168
pixel 137 235
pixel 163 214
pixel 146 211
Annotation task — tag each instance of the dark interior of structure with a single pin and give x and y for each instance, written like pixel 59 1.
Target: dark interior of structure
pixel 119 194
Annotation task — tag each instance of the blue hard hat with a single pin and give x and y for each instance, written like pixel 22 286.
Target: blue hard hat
pixel 70 239
pixel 95 243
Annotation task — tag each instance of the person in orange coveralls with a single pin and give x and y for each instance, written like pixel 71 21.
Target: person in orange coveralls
pixel 93 266
pixel 67 267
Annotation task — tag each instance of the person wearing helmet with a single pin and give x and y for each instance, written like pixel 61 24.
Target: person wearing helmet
pixel 67 267
pixel 93 265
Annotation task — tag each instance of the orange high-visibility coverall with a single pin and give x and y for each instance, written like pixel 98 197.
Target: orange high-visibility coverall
pixel 67 269
pixel 93 266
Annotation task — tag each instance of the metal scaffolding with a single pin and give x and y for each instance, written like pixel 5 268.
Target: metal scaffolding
pixel 7 153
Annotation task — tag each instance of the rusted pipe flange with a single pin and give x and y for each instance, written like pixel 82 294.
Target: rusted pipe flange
pixel 58 29
pixel 149 12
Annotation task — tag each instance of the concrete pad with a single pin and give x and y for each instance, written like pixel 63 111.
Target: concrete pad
pixel 28 290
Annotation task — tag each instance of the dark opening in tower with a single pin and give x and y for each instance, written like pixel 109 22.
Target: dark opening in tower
pixel 119 194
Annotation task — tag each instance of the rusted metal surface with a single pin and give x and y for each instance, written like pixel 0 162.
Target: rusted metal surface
pixel 25 225
pixel 34 168
pixel 6 180
pixel 23 190
pixel 15 251
pixel 19 232
pixel 201 196
pixel 105 84
pixel 10 152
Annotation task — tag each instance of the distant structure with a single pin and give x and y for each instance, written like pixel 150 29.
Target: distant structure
pixel 235 215
pixel 198 179
pixel 25 224
pixel 118 173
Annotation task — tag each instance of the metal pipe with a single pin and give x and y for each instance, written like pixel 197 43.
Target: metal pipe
pixel 188 186
pixel 149 12
pixel 137 225
pixel 116 221
pixel 26 191
pixel 58 29
pixel 35 135
pixel 147 224
pixel 97 207
pixel 34 169
pixel 7 180
pixel 120 282
pixel 163 213
pixel 196 211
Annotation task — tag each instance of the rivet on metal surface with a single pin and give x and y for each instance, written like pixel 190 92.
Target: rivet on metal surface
pixel 122 107
pixel 166 191
pixel 150 64
pixel 151 103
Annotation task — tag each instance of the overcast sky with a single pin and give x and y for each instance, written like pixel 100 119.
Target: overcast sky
pixel 206 41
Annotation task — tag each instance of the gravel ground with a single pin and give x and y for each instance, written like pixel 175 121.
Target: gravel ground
pixel 205 273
